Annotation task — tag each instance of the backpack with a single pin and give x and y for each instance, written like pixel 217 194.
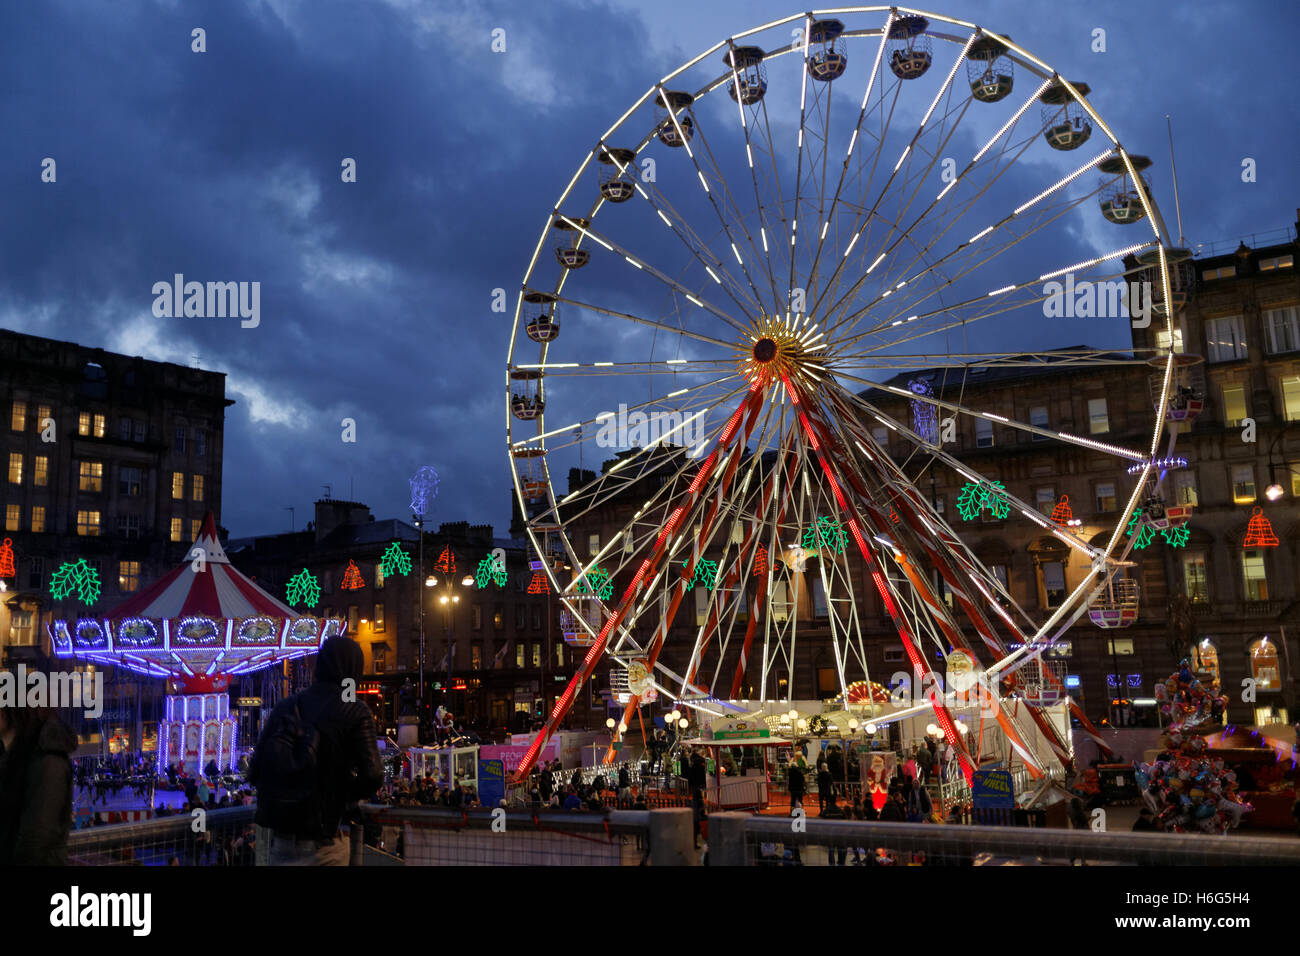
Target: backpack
pixel 288 774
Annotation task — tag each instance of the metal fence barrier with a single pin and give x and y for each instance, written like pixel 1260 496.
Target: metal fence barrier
pixel 740 839
pixel 228 838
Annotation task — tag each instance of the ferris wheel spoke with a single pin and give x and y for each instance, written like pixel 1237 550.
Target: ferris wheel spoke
pixel 651 323
pixel 1057 358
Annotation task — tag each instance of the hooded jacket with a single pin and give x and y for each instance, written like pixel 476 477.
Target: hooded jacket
pixel 36 797
pixel 348 756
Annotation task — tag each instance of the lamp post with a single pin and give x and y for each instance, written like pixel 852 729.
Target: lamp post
pixel 419 525
pixel 448 599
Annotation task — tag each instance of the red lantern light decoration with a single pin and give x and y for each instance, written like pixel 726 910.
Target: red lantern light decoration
pixel 446 561
pixel 1259 533
pixel 7 559
pixel 1063 514
pixel 539 585
pixel 760 561
pixel 352 578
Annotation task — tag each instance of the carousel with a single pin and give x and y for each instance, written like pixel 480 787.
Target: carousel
pixel 197 627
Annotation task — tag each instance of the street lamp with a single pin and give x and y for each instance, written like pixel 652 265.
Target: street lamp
pixel 448 599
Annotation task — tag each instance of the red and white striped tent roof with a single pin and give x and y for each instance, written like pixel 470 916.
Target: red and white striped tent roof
pixel 218 590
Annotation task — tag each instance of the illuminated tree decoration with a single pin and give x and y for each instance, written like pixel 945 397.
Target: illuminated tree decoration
pixel 760 561
pixel 76 576
pixel 597 582
pixel 352 578
pixel 303 589
pixel 826 534
pixel 395 561
pixel 980 496
pixel 7 559
pixel 539 584
pixel 489 570
pixel 706 573
pixel 1259 533
pixel 446 561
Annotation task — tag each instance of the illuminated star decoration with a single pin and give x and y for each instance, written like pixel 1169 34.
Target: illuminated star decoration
pixel 76 576
pixel 424 488
pixel 352 580
pixel 7 559
pixel 706 573
pixel 489 569
pixel 303 589
pixel 395 561
pixel 597 582
pixel 826 534
pixel 980 496
pixel 539 585
pixel 446 561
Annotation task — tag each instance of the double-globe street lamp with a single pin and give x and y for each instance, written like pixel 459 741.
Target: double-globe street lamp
pixel 448 599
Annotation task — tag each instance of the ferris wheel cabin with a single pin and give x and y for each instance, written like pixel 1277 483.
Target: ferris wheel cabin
pixel 1067 124
pixel 826 61
pixel 989 70
pixel 1120 199
pixel 675 125
pixel 539 317
pixel 909 47
pixel 570 256
pixel 750 76
pixel 616 163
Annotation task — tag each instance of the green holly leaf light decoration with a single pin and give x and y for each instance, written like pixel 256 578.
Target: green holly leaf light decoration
pixel 395 561
pixel 706 573
pixel 76 576
pixel 303 589
pixel 1144 531
pixel 827 534
pixel 1177 537
pixel 490 571
pixel 976 496
pixel 597 582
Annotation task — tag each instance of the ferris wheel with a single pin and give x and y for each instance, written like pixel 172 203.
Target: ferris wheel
pixel 701 372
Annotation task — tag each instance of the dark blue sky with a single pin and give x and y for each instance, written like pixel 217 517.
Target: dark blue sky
pixel 376 295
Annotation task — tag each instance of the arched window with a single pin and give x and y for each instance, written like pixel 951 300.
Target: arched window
pixel 1205 658
pixel 1264 665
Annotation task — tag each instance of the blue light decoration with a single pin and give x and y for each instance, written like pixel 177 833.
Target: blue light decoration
pixel 925 418
pixel 424 489
pixel 1161 464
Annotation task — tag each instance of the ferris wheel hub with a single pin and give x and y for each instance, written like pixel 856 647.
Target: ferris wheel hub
pixel 764 350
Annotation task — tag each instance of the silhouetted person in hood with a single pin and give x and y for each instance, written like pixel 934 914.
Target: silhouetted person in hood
pixel 35 787
pixel 346 766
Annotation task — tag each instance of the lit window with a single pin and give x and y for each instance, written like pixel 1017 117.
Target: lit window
pixel 1045 499
pixel 1243 484
pixel 20 628
pixel 1291 398
pixel 1234 404
pixel 88 524
pixel 18 418
pixel 195 525
pixel 1194 577
pixel 1185 488
pixel 476 657
pixel 128 576
pixel 1222 272
pixel 43 416
pixel 176 529
pixel 379 654
pixel 627 541
pixel 1276 262
pixel 1164 340
pixel 1294 468
pixel 519 653
pixel 130 481
pixel 38 518
pixel 15 468
pixel 41 471
pixel 1038 418
pixel 1053 576
pixel 537 655
pixel 780 602
pixel 83 423
pixel 197 488
pixel 90 476
pixel 1206 658
pixel 559 654
pixel 1106 497
pixel 1226 338
pixel 1098 421
pixel 1120 646
pixel 1256 576
pixel 379 617
pixel 13 517
pixel 379 575
pixel 1264 665
pixel 593 544
pixel 983 433
pixel 178 485
pixel 1282 329
pixel 702 605
pixel 99 426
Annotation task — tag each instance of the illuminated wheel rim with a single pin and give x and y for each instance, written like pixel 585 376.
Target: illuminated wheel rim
pixel 793 238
